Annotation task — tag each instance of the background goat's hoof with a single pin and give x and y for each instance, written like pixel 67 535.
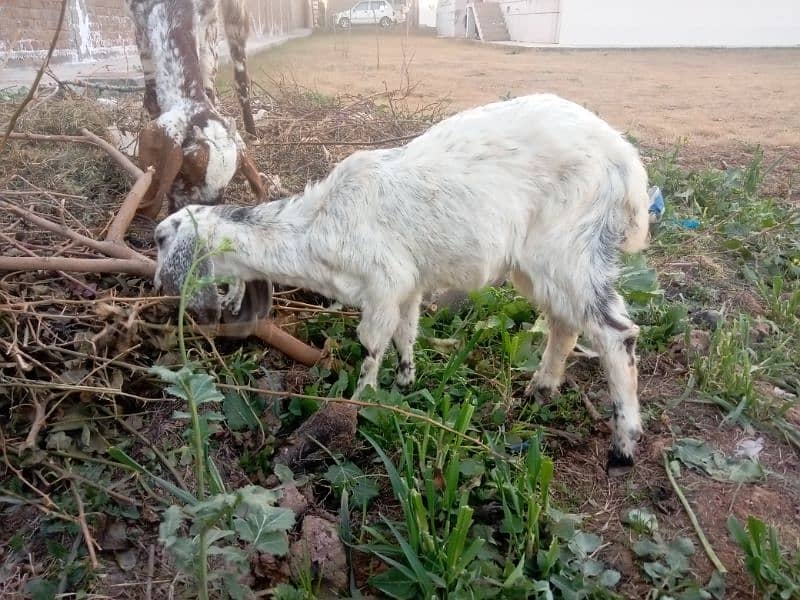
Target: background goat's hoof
pixel 539 394
pixel 618 464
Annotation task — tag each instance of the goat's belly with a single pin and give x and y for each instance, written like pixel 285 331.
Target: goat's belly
pixel 466 276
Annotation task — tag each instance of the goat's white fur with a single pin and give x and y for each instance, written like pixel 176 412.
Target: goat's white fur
pixel 536 187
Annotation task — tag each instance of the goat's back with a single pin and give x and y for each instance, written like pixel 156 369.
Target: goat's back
pixel 464 201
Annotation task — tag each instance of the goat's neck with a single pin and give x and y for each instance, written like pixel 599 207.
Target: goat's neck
pixel 269 241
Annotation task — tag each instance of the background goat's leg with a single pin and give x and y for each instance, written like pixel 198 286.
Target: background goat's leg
pixel 404 337
pixel 209 31
pixel 378 323
pixel 146 57
pixel 237 30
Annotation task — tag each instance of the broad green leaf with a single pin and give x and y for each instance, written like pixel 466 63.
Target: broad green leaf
pixel 647 549
pixel 641 520
pixel 394 584
pixel 584 543
pixel 716 585
pixel 609 578
pixel 342 474
pixel 266 530
pixel 364 490
pixel 698 454
pixel 41 589
pixel 591 568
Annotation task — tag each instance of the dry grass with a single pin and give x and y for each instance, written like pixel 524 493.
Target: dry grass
pixel 711 97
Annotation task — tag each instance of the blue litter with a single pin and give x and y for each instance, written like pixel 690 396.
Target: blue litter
pixel 519 447
pixel 690 223
pixel 656 204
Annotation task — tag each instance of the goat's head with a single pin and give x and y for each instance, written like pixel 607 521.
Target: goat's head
pixel 182 240
pixel 195 157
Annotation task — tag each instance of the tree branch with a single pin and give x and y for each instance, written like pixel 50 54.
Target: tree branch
pixel 120 224
pixel 143 267
pixel 122 160
pixel 107 248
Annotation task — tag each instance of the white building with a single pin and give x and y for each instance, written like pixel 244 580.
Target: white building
pixel 625 23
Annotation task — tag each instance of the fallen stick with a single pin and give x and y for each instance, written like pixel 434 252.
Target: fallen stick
pixel 267 331
pixel 120 224
pixel 107 248
pixel 712 556
pixel 122 160
pixel 87 535
pixel 142 267
pixel 47 137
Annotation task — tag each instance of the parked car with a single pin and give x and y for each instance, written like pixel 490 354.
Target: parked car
pixel 367 12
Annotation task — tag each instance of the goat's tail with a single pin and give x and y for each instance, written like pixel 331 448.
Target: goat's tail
pixel 636 205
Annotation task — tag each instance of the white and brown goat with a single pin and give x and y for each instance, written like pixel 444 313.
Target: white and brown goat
pixel 536 187
pixel 194 149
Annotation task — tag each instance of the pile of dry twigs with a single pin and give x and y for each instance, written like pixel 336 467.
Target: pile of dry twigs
pixel 79 323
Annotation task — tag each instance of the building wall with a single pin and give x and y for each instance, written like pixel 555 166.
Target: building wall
pixel 533 21
pixel 97 28
pixel 450 18
pixel 427 13
pixel 680 23
pixel 92 28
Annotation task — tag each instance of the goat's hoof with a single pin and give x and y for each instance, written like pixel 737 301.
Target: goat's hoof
pixel 405 375
pixel 618 463
pixel 540 394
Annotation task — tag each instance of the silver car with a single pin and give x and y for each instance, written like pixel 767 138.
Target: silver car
pixel 368 12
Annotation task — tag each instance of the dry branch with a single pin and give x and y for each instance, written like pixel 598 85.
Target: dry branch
pixel 276 337
pixel 122 160
pixel 120 224
pixel 142 268
pixel 48 137
pixel 107 248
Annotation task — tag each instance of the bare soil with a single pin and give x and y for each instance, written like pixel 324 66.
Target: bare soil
pixel 709 97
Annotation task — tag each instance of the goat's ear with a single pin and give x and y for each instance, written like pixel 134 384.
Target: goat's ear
pixel 248 168
pixel 171 273
pixel 158 150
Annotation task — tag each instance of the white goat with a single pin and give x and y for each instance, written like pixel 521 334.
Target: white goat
pixel 194 149
pixel 536 187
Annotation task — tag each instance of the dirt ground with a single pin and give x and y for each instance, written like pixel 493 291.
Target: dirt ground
pixel 711 98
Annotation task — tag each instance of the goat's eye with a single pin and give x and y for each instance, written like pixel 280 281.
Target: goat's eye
pixel 161 239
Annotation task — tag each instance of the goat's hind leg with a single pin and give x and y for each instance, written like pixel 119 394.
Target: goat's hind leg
pixel 614 336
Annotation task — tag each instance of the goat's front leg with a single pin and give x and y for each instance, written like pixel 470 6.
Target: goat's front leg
pixel 232 300
pixel 378 323
pixel 404 337
pixel 550 374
